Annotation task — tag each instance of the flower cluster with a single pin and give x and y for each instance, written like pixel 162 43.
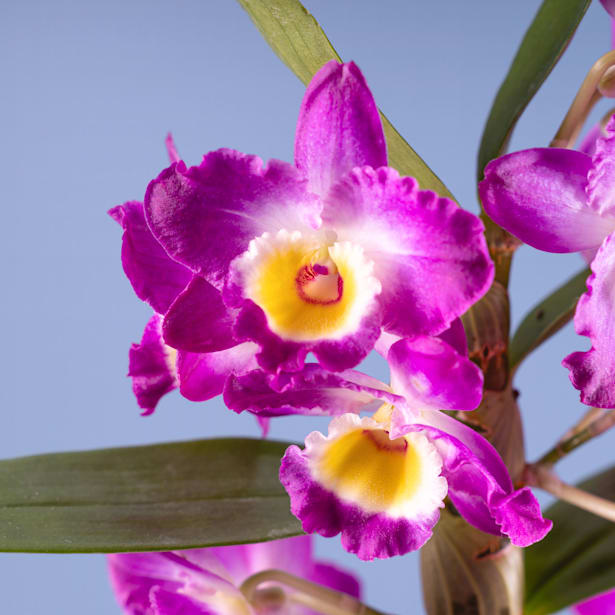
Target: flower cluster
pixel 251 267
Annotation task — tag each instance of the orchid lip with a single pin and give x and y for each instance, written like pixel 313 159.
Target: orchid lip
pixel 310 286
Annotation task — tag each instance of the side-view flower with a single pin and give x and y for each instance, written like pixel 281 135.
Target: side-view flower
pixel 561 200
pixel 208 581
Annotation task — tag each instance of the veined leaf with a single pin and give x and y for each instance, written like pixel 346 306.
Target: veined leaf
pixel 159 497
pixel 577 558
pixel 298 40
pixel 543 44
pixel 547 318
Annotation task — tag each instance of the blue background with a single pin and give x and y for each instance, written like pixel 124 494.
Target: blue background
pixel 89 91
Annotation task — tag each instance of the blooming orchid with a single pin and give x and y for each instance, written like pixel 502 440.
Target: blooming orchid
pixel 561 200
pixel 321 256
pixel 381 480
pixel 207 581
pixel 603 604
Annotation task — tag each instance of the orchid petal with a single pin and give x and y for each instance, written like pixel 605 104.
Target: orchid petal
pixel 430 373
pixel 313 391
pixel 430 255
pixel 202 375
pixel 205 216
pixel 198 321
pixel 151 367
pixel 155 278
pixel 339 127
pixel 601 178
pixel 539 195
pixel 593 371
pixel 479 490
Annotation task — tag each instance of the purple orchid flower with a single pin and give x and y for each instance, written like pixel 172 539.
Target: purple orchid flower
pixel 321 256
pixel 381 480
pixel 207 581
pixel 561 200
pixel 155 367
pixel 603 604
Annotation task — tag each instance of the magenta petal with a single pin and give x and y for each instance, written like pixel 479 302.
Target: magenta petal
pixel 369 535
pixel 339 127
pixel 205 216
pixel 430 373
pixel 155 278
pixel 539 195
pixel 164 602
pixel 455 336
pixel 313 390
pixel 601 178
pixel 519 518
pixel 151 367
pixel 430 255
pixel 198 321
pixel 593 372
pixel 202 376
pixel 609 6
pixel 331 576
pixel 479 485
pixel 603 604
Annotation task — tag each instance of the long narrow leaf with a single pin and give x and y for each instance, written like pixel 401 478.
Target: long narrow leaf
pixel 543 44
pixel 577 558
pixel 298 40
pixel 166 496
pixel 547 318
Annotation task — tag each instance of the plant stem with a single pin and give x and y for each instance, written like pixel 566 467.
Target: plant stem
pixel 311 595
pixel 543 476
pixel 595 422
pixel 587 96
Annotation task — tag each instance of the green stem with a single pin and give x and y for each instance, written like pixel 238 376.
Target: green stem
pixel 594 423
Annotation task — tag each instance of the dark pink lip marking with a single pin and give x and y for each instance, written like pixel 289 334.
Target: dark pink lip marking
pixel 308 274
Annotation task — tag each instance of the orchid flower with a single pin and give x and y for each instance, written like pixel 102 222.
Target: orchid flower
pixel 380 480
pixel 561 200
pixel 155 367
pixel 321 256
pixel 207 581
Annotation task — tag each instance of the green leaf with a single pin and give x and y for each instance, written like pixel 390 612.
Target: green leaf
pixel 577 558
pixel 547 318
pixel 165 496
pixel 298 40
pixel 543 44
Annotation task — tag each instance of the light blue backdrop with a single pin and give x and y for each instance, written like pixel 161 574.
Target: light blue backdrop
pixel 89 90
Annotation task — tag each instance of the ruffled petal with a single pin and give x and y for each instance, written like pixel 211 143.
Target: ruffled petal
pixel 313 390
pixel 431 374
pixel 155 278
pixel 339 127
pixel 198 321
pixel 539 195
pixel 202 376
pixel 430 255
pixel 601 178
pixel 205 216
pixel 382 495
pixel 479 485
pixel 593 372
pixel 151 365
